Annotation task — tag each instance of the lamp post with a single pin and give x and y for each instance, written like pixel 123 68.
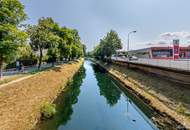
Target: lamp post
pixel 128 40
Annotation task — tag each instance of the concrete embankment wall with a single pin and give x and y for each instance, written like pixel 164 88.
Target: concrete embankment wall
pixel 167 118
pixel 171 74
pixel 20 102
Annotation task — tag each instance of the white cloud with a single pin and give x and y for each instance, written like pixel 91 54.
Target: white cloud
pixel 156 42
pixel 149 44
pixel 166 39
pixel 175 35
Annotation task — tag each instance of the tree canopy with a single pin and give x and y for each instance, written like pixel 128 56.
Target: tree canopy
pixel 70 45
pixel 60 42
pixel 108 45
pixel 11 12
pixel 46 38
pixel 42 36
pixel 11 15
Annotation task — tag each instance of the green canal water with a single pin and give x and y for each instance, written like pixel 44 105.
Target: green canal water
pixel 95 101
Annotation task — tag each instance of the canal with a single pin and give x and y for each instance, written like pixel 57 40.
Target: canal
pixel 95 101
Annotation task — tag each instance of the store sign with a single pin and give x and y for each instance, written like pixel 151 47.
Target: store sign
pixel 176 50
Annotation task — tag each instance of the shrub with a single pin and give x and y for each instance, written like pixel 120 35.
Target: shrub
pixel 70 82
pixel 25 62
pixel 181 108
pixel 48 110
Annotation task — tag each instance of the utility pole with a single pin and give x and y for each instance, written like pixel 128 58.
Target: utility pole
pixel 128 40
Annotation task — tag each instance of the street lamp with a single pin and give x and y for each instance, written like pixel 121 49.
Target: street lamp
pixel 128 40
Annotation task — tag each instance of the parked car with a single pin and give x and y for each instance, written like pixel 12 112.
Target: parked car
pixel 133 58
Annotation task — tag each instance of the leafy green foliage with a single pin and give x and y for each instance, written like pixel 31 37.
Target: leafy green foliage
pixel 48 110
pixel 25 55
pixel 25 52
pixel 89 54
pixel 84 49
pixel 70 45
pixel 11 12
pixel 42 36
pixel 11 15
pixel 46 36
pixel 53 54
pixel 60 42
pixel 182 109
pixel 108 45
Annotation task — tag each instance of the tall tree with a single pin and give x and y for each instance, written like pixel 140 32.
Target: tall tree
pixel 108 45
pixel 70 45
pixel 24 51
pixel 84 49
pixel 77 51
pixel 77 47
pixel 42 36
pixel 53 51
pixel 11 15
pixel 65 47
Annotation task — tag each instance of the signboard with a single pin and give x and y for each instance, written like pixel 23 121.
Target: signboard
pixel 176 49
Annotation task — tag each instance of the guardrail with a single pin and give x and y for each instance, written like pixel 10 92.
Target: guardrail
pixel 174 64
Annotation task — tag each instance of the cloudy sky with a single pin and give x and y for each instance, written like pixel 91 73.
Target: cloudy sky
pixel 156 21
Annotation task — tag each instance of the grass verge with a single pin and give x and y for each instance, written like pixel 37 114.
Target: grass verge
pixel 20 102
pixel 7 79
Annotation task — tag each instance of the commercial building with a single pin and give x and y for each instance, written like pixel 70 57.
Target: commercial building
pixel 171 52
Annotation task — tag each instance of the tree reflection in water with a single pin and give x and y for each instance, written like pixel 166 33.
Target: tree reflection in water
pixel 64 102
pixel 107 87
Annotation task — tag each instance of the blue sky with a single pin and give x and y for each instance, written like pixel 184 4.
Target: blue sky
pixel 156 21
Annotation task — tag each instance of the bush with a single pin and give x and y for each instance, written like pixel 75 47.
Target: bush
pixel 70 82
pixel 45 58
pixel 25 62
pixel 48 110
pixel 181 108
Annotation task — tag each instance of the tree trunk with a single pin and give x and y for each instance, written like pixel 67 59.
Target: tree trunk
pixel 1 69
pixel 40 59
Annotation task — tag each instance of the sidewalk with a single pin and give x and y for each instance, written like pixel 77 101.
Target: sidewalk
pixel 14 81
pixel 13 71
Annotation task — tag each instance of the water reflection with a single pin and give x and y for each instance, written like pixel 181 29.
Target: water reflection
pixel 66 100
pixel 99 105
pixel 107 87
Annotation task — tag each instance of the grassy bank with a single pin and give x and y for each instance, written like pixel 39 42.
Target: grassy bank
pixel 162 95
pixel 64 103
pixel 20 103
pixel 8 79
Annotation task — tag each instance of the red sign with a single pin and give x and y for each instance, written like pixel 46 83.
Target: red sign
pixel 176 51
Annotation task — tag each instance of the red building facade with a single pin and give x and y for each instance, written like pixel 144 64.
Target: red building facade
pixel 174 52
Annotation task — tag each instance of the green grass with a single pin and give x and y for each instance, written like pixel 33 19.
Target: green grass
pixel 11 78
pixel 182 109
pixel 7 79
pixel 39 70
pixel 48 110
